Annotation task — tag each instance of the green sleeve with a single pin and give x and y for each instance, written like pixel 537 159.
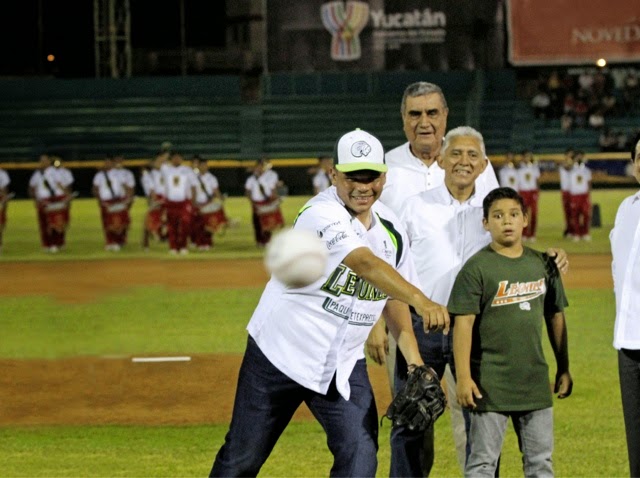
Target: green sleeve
pixel 466 296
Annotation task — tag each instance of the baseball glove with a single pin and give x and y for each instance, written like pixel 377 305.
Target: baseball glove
pixel 420 402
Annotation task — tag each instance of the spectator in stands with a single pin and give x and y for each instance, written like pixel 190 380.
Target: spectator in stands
pixel 631 92
pixel 609 104
pixel 529 189
pixel 4 199
pixel 569 104
pixel 585 81
pixel 508 174
pixel 608 140
pixel 623 140
pixel 262 190
pixel 566 123
pixel 596 119
pixel 564 172
pixel 321 179
pixel 581 113
pixel 541 104
pixel 580 198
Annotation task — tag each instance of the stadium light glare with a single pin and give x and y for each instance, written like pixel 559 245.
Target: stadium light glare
pixel 601 62
pixel 51 58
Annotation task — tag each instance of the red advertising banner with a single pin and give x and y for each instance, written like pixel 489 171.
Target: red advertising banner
pixel 546 32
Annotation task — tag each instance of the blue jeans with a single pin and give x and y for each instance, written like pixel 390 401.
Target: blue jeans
pixel 629 372
pixel 535 438
pixel 266 399
pixel 412 452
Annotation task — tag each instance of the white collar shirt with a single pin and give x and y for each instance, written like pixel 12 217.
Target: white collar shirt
pixel 40 179
pixel 565 178
pixel 205 185
pixel 178 181
pixel 508 177
pixel 408 176
pixel 443 235
pixel 321 180
pixel 109 184
pixel 579 180
pixel 314 333
pixel 625 249
pixel 260 188
pixel 528 175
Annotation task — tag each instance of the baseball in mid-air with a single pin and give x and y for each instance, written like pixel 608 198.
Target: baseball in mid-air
pixel 296 257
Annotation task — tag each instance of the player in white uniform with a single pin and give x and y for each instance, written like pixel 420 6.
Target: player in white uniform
pixel 413 168
pixel 66 179
pixel 113 199
pixel 508 174
pixel 580 198
pixel 4 199
pixel 564 172
pixel 322 179
pixel 262 190
pixel 528 181
pixel 179 182
pixel 52 203
pixel 306 344
pixel 209 216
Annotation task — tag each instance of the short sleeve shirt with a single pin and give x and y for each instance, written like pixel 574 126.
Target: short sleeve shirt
pixel 109 184
pixel 314 333
pixel 205 185
pixel 510 297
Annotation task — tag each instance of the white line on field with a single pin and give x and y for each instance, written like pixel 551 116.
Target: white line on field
pixel 161 359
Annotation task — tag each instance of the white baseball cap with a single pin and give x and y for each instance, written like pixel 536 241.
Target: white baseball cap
pixel 357 151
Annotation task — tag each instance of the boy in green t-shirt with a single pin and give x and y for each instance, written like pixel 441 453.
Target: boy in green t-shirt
pixel 499 300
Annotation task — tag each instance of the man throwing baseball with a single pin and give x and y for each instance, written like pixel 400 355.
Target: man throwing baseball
pixel 307 344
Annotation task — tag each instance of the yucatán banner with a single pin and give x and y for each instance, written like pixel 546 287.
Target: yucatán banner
pixel 375 35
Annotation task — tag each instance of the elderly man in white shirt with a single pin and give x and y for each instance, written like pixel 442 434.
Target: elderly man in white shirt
pixel 413 169
pixel 625 248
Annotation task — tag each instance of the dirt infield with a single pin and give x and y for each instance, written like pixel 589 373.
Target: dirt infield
pixel 91 390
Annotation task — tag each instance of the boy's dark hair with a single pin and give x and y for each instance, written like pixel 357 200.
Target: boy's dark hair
pixel 501 193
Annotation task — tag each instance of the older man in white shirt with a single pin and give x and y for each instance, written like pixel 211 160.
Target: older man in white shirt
pixel 625 248
pixel 413 169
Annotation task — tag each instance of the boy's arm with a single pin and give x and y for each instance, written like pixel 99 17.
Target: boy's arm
pixel 557 331
pixel 466 388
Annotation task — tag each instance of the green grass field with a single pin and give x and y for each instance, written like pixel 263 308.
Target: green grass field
pixel 588 428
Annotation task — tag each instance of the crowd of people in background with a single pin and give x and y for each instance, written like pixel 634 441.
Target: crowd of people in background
pixel 522 173
pixel 588 99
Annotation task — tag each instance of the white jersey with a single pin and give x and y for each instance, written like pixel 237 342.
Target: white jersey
pixel 260 188
pixel 206 185
pixel 66 177
pixel 528 175
pixel 146 181
pixel 443 234
pixel 408 175
pixel 178 182
pixel 565 178
pixel 625 249
pixel 579 179
pixel 4 179
pixel 508 177
pixel 47 183
pixel 109 184
pixel 315 332
pixel 126 177
pixel 321 181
